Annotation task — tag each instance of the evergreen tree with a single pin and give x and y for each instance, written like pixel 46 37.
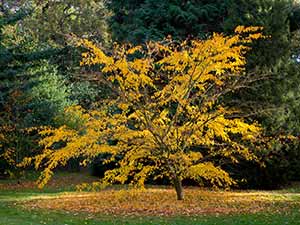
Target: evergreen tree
pixel 137 21
pixel 274 16
pixel 32 92
pixel 54 20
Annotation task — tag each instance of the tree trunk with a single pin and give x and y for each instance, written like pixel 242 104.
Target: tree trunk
pixel 178 187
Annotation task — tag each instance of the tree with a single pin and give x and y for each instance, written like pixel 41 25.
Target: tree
pixel 29 87
pixel 274 16
pixel 167 113
pixel 52 21
pixel 137 21
pixel 54 24
pixel 10 68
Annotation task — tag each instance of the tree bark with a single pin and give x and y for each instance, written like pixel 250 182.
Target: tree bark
pixel 178 187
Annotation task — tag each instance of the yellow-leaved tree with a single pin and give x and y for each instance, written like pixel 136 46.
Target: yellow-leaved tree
pixel 165 115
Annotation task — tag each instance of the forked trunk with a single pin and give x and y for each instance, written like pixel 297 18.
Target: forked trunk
pixel 178 187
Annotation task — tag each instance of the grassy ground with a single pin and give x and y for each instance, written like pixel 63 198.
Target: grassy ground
pixel 22 203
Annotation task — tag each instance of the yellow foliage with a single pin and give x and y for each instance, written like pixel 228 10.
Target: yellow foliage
pixel 168 105
pixel 2 139
pixel 210 172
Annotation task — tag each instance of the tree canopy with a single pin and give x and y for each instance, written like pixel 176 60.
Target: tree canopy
pixel 167 113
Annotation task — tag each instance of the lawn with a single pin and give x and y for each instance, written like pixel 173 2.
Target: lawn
pixel 59 203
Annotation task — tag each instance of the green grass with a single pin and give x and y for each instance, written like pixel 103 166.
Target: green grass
pixel 13 213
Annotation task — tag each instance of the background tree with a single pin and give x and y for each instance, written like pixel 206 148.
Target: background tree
pixel 29 87
pixel 137 21
pixel 35 35
pixel 55 24
pixel 274 99
pixel 54 20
